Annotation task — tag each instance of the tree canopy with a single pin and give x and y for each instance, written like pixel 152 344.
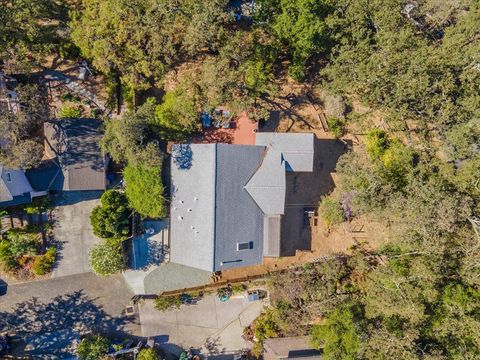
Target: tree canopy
pixel 144 190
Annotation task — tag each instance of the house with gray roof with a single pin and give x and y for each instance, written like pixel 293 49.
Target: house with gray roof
pixel 74 144
pixel 227 200
pixel 73 161
pixel 290 348
pixel 15 188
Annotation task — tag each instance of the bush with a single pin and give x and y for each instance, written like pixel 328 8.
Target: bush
pixel 107 258
pixel 7 259
pixel 164 303
pixel 43 263
pixel 69 51
pixel 266 326
pixel 331 211
pixel 148 354
pixel 110 218
pixel 38 205
pixel 93 347
pixel 68 111
pixel 335 125
pixel 376 142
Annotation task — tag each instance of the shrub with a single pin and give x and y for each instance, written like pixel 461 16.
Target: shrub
pixel 376 142
pixel 266 326
pixel 107 258
pixel 335 125
pixel 7 260
pixel 69 111
pixel 38 205
pixel 331 211
pixel 148 354
pixel 164 303
pixel 43 263
pixel 68 50
pixel 93 347
pixel 110 219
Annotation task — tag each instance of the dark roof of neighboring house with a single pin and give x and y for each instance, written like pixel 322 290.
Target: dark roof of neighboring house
pixel 17 200
pixel 76 143
pixel 46 176
pixel 290 348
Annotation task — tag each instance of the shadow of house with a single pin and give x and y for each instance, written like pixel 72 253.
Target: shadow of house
pixel 305 189
pixel 49 329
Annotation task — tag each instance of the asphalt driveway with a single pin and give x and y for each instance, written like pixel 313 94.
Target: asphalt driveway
pixel 73 232
pixel 48 316
pixel 210 325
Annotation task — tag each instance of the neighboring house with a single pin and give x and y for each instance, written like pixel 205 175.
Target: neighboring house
pixel 296 347
pixel 73 162
pixel 15 189
pixel 227 200
pixel 74 145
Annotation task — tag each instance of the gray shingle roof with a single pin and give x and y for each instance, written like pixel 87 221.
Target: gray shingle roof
pixel 192 206
pixel 238 218
pixel 5 194
pixel 267 186
pixel 15 185
pixel 76 142
pixel 296 148
pixel 290 348
pixel 210 209
pixel 228 197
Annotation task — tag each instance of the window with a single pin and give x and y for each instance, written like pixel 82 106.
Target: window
pixel 245 246
pixel 8 177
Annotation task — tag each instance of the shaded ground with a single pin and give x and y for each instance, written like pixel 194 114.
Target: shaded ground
pixel 210 324
pixel 305 190
pixel 47 316
pixel 73 231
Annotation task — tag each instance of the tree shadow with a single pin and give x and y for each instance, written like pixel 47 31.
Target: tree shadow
pixel 50 328
pixel 3 287
pixel 304 190
pixel 213 346
pixel 182 156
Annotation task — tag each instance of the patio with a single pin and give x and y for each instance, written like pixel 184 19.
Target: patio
pixel 241 132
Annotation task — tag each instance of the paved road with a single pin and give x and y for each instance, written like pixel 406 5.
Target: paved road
pixel 210 325
pixel 49 314
pixel 73 231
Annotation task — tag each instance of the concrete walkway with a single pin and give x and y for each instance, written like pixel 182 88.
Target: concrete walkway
pixel 210 325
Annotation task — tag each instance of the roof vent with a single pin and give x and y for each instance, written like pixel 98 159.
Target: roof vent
pixel 180 201
pixel 180 218
pixel 189 210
